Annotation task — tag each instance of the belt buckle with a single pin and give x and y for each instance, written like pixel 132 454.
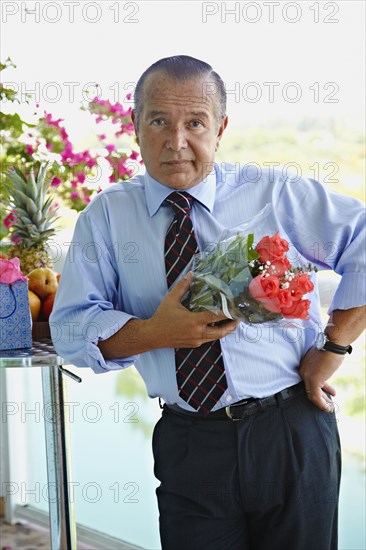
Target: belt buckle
pixel 230 414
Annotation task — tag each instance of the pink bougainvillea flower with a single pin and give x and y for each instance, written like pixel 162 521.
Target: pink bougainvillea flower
pixel 121 169
pixel 91 163
pixel 9 220
pixel 56 181
pixel 80 177
pixel 15 240
pixel 29 149
pixel 110 147
pixel 49 120
pixel 64 134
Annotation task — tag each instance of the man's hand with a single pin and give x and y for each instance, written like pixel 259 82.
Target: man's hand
pixel 316 368
pixel 173 326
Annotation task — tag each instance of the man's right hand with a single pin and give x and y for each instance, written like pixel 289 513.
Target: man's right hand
pixel 174 326
pixel 171 326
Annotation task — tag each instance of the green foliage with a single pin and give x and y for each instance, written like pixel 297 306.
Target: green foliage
pixel 14 124
pixel 327 150
pixel 11 150
pixel 130 385
pixel 353 386
pixel 7 93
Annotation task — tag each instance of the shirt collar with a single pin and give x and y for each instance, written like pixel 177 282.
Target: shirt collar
pixel 156 192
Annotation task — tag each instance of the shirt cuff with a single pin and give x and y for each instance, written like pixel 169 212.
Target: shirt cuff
pixel 351 292
pixel 104 325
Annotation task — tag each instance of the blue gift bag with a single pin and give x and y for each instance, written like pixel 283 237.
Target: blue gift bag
pixel 15 316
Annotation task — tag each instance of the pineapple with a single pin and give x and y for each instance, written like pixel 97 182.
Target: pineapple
pixel 35 217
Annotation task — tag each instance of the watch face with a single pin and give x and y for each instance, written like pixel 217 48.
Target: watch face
pixel 321 340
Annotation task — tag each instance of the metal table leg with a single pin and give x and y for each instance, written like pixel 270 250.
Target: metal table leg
pixel 61 509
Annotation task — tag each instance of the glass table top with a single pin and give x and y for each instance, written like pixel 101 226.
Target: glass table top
pixel 41 354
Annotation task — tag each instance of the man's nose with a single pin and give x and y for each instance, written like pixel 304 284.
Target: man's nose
pixel 177 139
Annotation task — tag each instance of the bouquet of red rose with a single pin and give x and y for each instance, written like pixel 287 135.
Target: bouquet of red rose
pixel 255 284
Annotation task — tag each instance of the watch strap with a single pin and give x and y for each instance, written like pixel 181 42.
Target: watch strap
pixel 336 348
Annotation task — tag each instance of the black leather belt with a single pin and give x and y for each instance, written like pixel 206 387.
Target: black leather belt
pixel 244 408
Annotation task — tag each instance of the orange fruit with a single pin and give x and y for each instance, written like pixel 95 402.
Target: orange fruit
pixel 47 305
pixel 34 304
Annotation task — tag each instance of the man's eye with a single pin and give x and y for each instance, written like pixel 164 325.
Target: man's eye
pixel 157 122
pixel 196 123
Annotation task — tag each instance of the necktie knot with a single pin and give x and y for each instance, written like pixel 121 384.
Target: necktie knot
pixel 180 201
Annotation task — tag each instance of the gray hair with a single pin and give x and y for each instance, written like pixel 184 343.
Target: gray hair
pixel 183 67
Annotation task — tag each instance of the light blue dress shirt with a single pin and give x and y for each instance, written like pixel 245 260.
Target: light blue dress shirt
pixel 115 271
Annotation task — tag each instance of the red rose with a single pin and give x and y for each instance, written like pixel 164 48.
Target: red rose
pixel 298 310
pixel 279 266
pixel 300 285
pixel 270 285
pixel 270 248
pixel 285 298
pixel 265 290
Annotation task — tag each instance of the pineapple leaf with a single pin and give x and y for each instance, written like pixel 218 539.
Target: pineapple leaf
pixel 19 198
pixel 23 214
pixel 46 211
pixel 19 173
pixel 48 233
pixel 29 198
pixel 37 218
pixel 32 186
pixel 42 182
pixel 31 207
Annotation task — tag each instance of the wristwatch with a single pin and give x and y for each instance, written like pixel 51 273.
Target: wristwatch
pixel 324 344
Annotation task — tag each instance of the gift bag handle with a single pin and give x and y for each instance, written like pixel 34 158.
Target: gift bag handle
pixel 15 304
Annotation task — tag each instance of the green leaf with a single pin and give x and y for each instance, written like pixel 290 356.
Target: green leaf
pixel 250 240
pixel 31 186
pixel 244 275
pixel 8 63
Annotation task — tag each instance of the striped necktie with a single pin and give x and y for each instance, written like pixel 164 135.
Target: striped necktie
pixel 200 371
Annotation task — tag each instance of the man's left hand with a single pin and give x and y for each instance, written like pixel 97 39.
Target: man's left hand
pixel 316 368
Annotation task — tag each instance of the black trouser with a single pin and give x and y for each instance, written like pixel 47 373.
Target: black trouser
pixel 268 482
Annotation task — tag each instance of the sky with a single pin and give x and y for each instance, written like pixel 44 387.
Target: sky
pixel 278 59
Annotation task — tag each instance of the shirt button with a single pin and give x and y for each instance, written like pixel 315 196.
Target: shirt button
pixel 228 398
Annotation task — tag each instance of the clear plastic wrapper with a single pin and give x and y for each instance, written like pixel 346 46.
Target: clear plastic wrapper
pixel 248 276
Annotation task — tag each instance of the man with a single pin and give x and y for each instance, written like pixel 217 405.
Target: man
pixel 247 454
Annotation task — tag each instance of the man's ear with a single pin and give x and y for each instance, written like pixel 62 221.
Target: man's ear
pixel 133 118
pixel 221 130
